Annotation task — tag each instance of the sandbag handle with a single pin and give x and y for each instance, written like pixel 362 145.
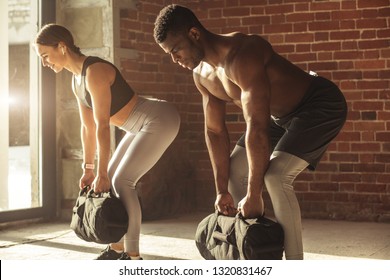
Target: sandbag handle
pixel 241 217
pixel 219 235
pixel 89 192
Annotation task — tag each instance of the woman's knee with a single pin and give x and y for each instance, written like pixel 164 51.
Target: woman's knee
pixel 119 181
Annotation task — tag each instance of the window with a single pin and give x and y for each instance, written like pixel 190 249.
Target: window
pixel 27 115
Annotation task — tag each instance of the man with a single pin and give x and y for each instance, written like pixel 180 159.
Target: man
pixel 291 116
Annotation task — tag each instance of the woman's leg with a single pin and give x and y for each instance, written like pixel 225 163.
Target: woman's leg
pixel 281 173
pixel 138 154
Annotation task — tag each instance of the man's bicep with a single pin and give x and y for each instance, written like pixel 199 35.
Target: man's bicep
pixel 214 112
pixel 255 100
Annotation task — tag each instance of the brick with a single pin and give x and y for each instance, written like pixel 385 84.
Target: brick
pixel 366 158
pixel 324 187
pixel 369 115
pixel 372 84
pixel 301 7
pixel 344 157
pixel 384 12
pixel 324 56
pixel 300 17
pixel 345 177
pixel 302 57
pixel 318 196
pixel 236 12
pixel 257 10
pixel 371 23
pixel 347 187
pixel 253 2
pixel 344 35
pixel 368 105
pixel 382 136
pixel 384 116
pixel 324 25
pixel 303 48
pixel 348 5
pixel 302 37
pixel 325 5
pixel 371 198
pixel 279 9
pixel 361 4
pixel 373 44
pixel 348 24
pixel 371 54
pixel 349 45
pixel 256 20
pixel 383 178
pixel 369 167
pixel 280 28
pixel 322 16
pixel 368 34
pixel 321 36
pixel 278 19
pixel 329 46
pixel 345 15
pixel 384 33
pixel 366 147
pixel 339 197
pixel 320 177
pixel 318 66
pixel 347 75
pixel 371 188
pixel 385 158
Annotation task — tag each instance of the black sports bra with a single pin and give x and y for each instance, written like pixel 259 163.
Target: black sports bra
pixel 121 92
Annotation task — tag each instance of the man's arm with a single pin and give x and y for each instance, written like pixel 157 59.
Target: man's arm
pixel 248 72
pixel 218 145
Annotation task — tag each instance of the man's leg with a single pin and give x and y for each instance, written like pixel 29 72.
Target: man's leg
pixel 281 173
pixel 238 179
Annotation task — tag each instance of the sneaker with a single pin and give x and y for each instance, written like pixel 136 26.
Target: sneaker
pixel 126 257
pixel 109 254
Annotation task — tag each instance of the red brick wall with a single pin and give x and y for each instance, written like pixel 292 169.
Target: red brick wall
pixel 345 41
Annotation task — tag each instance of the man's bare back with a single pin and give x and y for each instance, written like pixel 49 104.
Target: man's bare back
pixel 288 83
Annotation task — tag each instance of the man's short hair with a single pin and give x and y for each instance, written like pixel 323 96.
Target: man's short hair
pixel 174 19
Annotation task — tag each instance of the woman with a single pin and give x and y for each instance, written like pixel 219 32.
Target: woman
pixel 105 98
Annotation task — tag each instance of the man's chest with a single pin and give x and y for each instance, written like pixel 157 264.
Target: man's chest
pixel 218 84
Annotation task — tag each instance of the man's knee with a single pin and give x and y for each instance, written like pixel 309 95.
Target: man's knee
pixel 283 169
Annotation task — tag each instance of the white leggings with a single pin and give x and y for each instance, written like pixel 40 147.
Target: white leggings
pixel 281 173
pixel 150 129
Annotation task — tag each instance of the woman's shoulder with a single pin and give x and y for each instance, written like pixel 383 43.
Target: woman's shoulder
pixel 96 68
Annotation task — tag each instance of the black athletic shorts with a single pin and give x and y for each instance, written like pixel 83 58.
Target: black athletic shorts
pixel 307 132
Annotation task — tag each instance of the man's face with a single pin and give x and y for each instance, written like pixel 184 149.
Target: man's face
pixel 183 50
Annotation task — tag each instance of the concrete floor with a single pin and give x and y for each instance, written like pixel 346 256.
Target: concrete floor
pixel 172 239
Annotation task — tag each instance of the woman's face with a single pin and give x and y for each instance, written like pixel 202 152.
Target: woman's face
pixel 52 57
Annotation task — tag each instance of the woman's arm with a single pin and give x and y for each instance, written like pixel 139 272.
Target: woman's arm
pixel 88 141
pixel 99 78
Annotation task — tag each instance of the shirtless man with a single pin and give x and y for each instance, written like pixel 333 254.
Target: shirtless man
pixel 291 116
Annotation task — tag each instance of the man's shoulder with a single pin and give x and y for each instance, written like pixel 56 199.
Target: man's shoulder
pixel 248 49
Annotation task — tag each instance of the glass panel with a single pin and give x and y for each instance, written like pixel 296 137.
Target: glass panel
pixel 19 186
